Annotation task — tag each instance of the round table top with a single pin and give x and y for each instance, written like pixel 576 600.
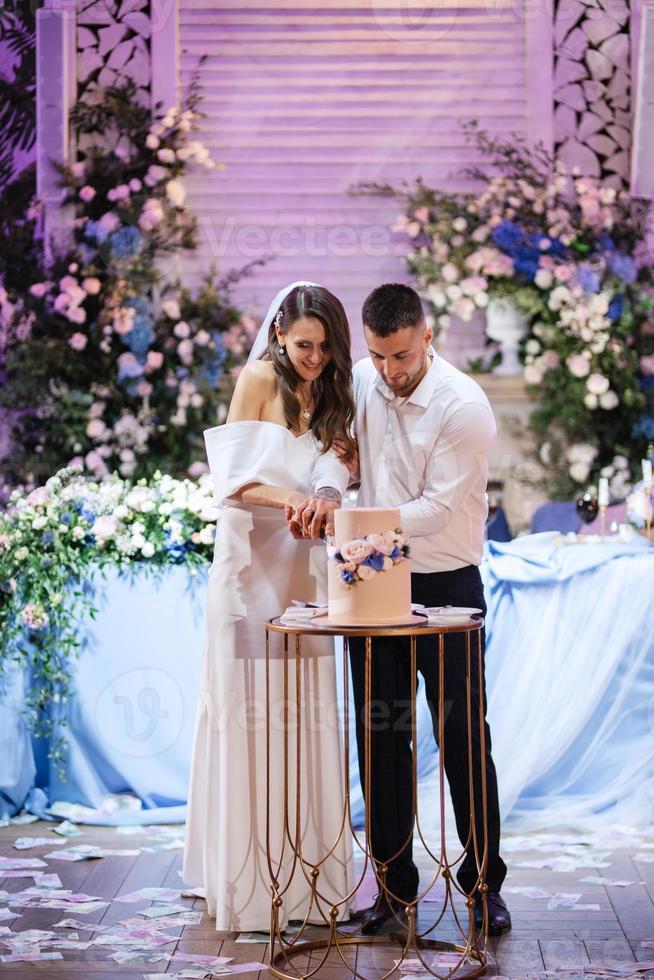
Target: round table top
pixel 419 626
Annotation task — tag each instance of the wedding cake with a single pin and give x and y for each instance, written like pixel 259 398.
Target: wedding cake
pixel 369 572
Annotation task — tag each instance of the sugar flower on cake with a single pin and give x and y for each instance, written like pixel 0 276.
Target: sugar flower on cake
pixel 360 559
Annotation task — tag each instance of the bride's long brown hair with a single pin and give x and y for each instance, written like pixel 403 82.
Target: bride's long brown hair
pixel 333 414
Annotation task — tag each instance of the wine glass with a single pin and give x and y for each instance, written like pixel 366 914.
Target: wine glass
pixel 587 508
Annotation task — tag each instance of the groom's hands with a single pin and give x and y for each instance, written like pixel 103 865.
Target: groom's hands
pixel 313 517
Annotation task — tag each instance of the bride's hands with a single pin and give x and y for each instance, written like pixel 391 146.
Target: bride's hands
pixel 311 517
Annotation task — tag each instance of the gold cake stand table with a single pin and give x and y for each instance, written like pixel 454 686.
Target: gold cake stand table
pixel 416 946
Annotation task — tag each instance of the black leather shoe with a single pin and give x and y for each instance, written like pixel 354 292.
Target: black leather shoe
pixel 499 917
pixel 383 911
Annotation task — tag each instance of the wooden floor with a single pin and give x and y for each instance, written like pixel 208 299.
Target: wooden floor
pixel 542 942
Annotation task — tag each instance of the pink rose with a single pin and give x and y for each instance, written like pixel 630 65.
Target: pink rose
pixel 356 550
pixel 38 497
pixel 551 359
pixel 533 375
pixel 563 273
pixel 76 314
pixel 421 214
pixel 109 222
pixel 185 351
pixel 647 364
pixel 87 193
pixel 365 572
pixel 144 389
pixel 92 285
pixel 78 341
pixel 385 542
pixel 578 365
pixel 154 360
pixel 39 289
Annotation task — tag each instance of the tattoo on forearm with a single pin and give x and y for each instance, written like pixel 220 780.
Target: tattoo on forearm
pixel 328 493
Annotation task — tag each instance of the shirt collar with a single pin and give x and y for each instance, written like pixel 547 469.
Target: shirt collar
pixel 420 396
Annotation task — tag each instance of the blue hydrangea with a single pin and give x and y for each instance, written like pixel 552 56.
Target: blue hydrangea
pixel 95 232
pixel 606 242
pixel 142 333
pixel 125 243
pixel 85 253
pixel 48 537
pixel 588 279
pixel 212 371
pixel 175 548
pixel 644 427
pixel 557 248
pixel 523 247
pixel 616 307
pixel 623 266
pixel 375 561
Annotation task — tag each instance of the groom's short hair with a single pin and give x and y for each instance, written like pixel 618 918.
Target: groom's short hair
pixel 391 307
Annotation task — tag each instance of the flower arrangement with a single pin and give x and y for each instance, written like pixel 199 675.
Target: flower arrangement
pixel 51 541
pixel 571 254
pixel 361 559
pixel 107 361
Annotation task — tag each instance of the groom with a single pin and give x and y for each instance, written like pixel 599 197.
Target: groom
pixel 424 430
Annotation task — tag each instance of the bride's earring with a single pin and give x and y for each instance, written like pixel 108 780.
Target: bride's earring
pixel 281 350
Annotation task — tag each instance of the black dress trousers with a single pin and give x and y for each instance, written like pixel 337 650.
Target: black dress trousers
pixel 390 806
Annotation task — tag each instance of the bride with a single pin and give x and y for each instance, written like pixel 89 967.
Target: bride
pixel 285 445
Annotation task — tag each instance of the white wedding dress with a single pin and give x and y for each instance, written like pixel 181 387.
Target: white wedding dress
pixel 258 569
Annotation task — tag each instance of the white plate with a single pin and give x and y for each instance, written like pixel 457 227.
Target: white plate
pixel 451 615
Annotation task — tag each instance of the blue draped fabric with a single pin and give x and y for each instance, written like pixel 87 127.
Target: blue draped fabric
pixel 570 679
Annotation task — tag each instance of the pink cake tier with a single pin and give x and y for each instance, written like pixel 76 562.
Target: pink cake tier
pixel 384 599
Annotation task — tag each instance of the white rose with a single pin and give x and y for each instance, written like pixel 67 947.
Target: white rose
pixel 459 224
pixel 356 551
pixel 453 292
pixel 579 472
pixel 152 141
pixel 449 272
pixel 175 192
pixel 532 347
pixel 147 550
pixel 388 564
pixel 365 572
pixel 171 309
pixel 436 296
pixel 166 155
pixel 543 279
pixel 591 402
pixel 597 384
pixel 609 400
pixel 385 542
pixel 533 375
pixel 104 527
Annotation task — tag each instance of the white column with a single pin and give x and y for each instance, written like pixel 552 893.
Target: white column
pixel 56 77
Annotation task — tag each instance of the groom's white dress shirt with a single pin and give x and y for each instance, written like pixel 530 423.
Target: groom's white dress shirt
pixel 428 455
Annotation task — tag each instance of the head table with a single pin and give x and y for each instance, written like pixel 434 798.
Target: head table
pixel 570 682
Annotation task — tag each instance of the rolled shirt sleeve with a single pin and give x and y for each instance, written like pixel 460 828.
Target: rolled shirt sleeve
pixel 329 471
